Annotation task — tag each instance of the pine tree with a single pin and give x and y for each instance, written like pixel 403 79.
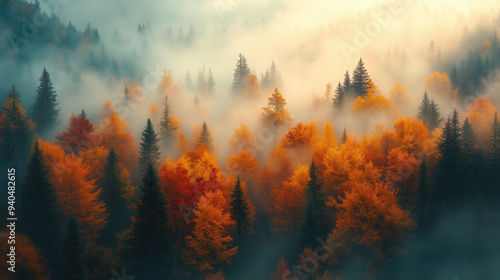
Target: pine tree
pixel 205 137
pixel 168 127
pixel 210 82
pixel 454 78
pixel 424 109
pixel 240 75
pixel 73 267
pixel 45 112
pixel 339 98
pixel 315 223
pixel 344 137
pixel 17 132
pixel 38 210
pixel 449 165
pixel 126 94
pixel 240 211
pixel 201 83
pixel 360 80
pixel 150 241
pixel 13 93
pixel 469 158
pixel 149 149
pixel 493 155
pixel 435 116
pixel 113 186
pixel 423 194
pixel 347 84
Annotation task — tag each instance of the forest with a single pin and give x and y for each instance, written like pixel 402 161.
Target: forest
pixel 120 164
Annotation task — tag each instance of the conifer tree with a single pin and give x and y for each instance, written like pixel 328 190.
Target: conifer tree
pixel 150 241
pixel 344 137
pixel 339 98
pixel 210 82
pixel 126 94
pixel 424 108
pixel 347 84
pixel 240 211
pixel 113 186
pixel 201 83
pixel 449 165
pixel 205 137
pixel 45 112
pixel 469 158
pixel 240 75
pixel 17 132
pixel 360 79
pixel 423 194
pixel 149 149
pixel 73 267
pixel 310 228
pixel 38 211
pixel 435 116
pixel 493 155
pixel 13 93
pixel 167 124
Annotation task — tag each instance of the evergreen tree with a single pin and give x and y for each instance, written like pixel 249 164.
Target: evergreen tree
pixel 13 93
pixel 17 132
pixel 38 210
pixel 347 84
pixel 469 158
pixel 241 73
pixel 73 267
pixel 240 211
pixel 315 223
pixel 168 127
pixel 45 112
pixel 493 155
pixel 201 83
pixel 435 116
pixel 210 82
pixel 454 78
pixel 126 94
pixel 150 241
pixel 339 98
pixel 449 165
pixel 113 186
pixel 149 149
pixel 344 137
pixel 424 109
pixel 423 194
pixel 205 137
pixel 360 79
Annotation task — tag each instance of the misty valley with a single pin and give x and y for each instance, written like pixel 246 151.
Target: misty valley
pixel 222 139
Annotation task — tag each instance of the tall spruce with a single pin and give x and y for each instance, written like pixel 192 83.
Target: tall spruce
pixel 210 82
pixel 151 235
pixel 344 137
pixel 449 165
pixel 205 137
pixel 347 84
pixel 423 194
pixel 493 155
pixel 168 127
pixel 360 80
pixel 469 159
pixel 17 133
pixel 435 116
pixel 424 108
pixel 241 73
pixel 13 93
pixel 112 189
pixel 45 112
pixel 315 223
pixel 149 148
pixel 73 267
pixel 240 211
pixel 38 210
pixel 339 98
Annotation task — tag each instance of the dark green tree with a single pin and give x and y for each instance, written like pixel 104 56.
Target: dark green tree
pixel 240 75
pixel 205 137
pixel 469 159
pixel 38 210
pixel 435 116
pixel 151 235
pixel 240 211
pixel 339 98
pixel 449 164
pixel 168 127
pixel 493 155
pixel 310 229
pixel 113 186
pixel 360 80
pixel 73 267
pixel 347 83
pixel 423 194
pixel 149 149
pixel 424 109
pixel 13 93
pixel 45 112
